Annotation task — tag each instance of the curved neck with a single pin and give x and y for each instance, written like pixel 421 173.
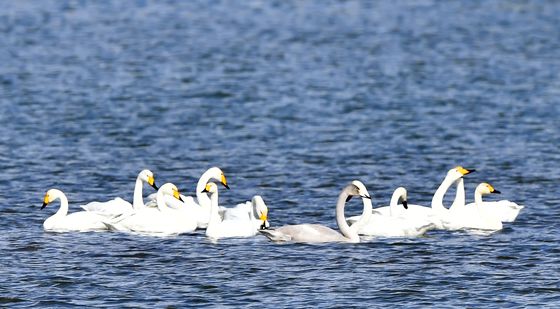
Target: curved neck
pixel 138 201
pixel 394 203
pixel 202 198
pixel 63 210
pixel 214 210
pixel 437 200
pixel 460 194
pixel 351 233
pixel 160 199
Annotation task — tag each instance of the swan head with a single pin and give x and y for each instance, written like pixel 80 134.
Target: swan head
pixel 147 176
pixel 210 188
pixel 459 171
pixel 486 188
pixel 400 196
pixel 218 175
pixel 260 207
pixel 170 189
pixel 50 196
pixel 357 188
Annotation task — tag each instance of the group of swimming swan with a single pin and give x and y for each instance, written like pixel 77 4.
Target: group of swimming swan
pixel 166 213
pixel 170 213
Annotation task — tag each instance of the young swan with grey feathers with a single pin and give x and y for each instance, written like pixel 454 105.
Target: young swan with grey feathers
pixel 316 233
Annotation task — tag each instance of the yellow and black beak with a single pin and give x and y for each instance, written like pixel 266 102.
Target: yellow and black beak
pixel 45 201
pixel 177 195
pixel 152 182
pixel 206 189
pixel 465 171
pixel 223 181
pixel 405 204
pixel 494 191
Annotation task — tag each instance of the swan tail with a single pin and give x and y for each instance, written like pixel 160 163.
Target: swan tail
pixel 275 235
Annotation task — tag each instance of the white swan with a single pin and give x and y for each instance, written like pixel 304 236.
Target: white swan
pixel 474 217
pixel 504 210
pixel 157 221
pixel 61 221
pixel 316 233
pixel 437 213
pixel 119 206
pixel 255 209
pixel 199 208
pixel 219 228
pixel 399 223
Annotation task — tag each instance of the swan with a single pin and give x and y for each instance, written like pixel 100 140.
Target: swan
pixel 222 228
pixel 474 217
pixel 255 208
pixel 119 206
pixel 316 233
pixel 159 221
pixel 61 221
pixel 199 208
pixel 398 223
pixel 437 212
pixel 504 210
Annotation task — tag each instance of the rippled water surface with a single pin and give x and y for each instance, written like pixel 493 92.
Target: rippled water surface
pixel 292 100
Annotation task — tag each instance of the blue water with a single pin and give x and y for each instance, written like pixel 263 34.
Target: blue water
pixel 292 100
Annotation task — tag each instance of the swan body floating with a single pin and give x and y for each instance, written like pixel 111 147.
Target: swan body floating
pixel 316 233
pixel 475 216
pixel 61 221
pixel 119 206
pixel 238 226
pixel 161 221
pixel 398 223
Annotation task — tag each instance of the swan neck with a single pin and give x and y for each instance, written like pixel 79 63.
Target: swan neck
pixel 214 210
pixel 394 203
pixel 349 233
pixel 138 199
pixel 477 199
pixel 460 194
pixel 437 200
pixel 160 199
pixel 202 198
pixel 63 210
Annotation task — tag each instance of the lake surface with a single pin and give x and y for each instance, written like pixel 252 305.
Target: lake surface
pixel 292 100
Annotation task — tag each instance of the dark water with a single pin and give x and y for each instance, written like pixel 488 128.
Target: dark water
pixel 293 100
